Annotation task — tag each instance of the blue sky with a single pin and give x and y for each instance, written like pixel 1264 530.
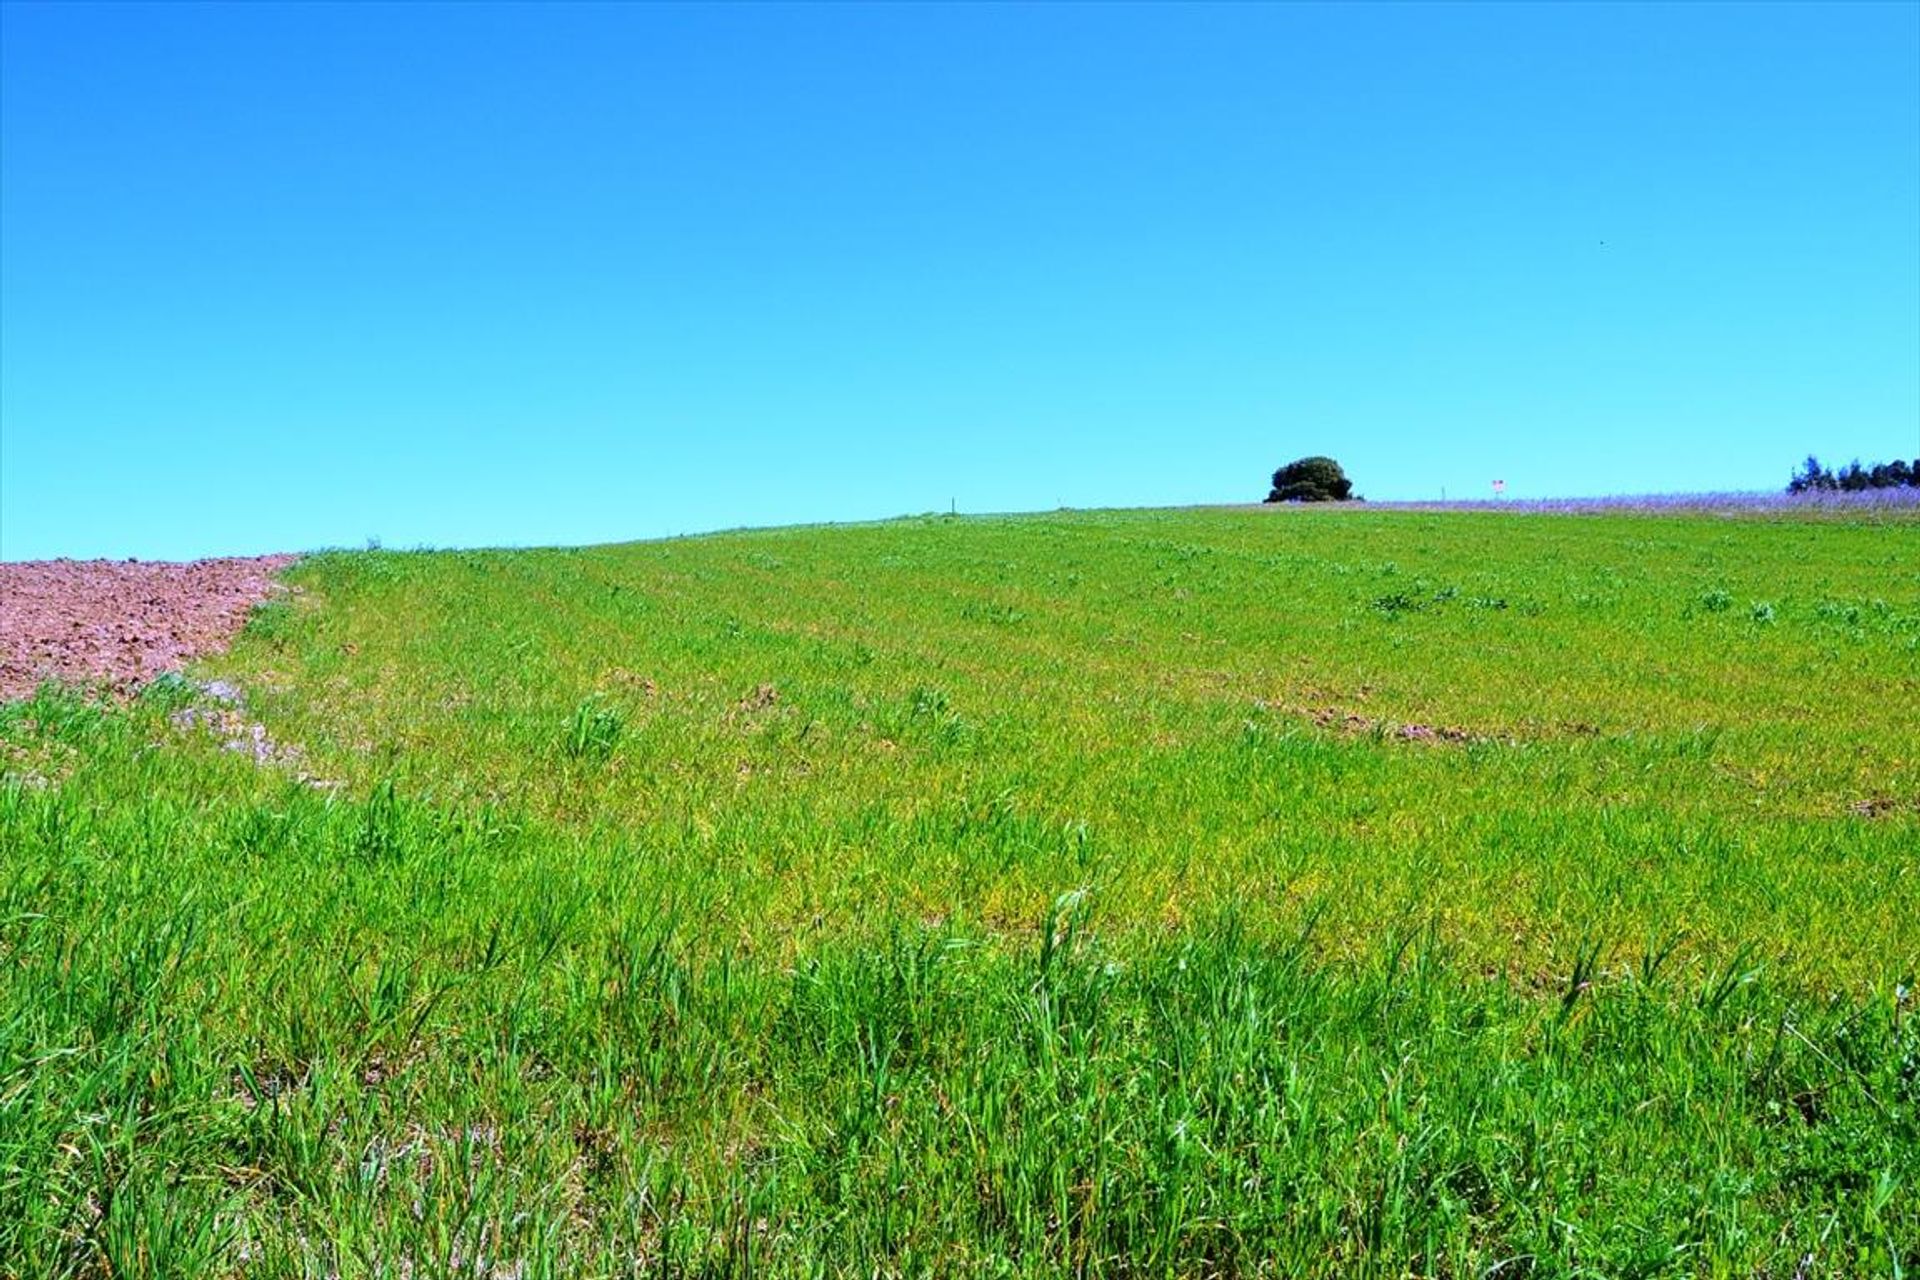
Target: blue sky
pixel 278 278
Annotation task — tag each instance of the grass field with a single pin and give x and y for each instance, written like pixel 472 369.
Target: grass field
pixel 1194 893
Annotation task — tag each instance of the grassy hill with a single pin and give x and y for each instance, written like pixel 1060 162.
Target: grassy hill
pixel 1170 893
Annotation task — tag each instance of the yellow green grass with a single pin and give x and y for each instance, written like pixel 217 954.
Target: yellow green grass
pixel 1157 893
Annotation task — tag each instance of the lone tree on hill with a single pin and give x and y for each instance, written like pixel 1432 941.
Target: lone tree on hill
pixel 1311 480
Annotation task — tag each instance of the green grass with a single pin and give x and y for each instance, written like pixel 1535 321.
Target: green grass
pixel 1159 894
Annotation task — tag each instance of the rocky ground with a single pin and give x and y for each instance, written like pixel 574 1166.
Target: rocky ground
pixel 119 623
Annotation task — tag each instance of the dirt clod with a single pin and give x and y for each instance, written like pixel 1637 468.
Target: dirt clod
pixel 121 623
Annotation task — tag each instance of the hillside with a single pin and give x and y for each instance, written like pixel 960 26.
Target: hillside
pixel 1192 893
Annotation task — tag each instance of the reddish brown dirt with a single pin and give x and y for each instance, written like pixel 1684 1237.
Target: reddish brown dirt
pixel 121 623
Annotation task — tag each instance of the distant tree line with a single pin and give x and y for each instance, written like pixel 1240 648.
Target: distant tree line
pixel 1814 478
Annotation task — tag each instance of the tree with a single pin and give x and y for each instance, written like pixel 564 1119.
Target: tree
pixel 1315 479
pixel 1891 475
pixel 1811 475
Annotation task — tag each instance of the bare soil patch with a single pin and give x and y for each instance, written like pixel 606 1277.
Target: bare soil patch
pixel 120 623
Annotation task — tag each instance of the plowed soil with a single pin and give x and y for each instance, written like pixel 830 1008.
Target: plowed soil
pixel 121 623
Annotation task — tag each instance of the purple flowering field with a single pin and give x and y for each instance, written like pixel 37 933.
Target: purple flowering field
pixel 1906 499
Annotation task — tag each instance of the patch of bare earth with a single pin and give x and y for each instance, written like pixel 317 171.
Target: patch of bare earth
pixel 120 623
pixel 1883 806
pixel 1354 724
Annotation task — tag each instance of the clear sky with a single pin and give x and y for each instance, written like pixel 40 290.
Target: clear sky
pixel 279 278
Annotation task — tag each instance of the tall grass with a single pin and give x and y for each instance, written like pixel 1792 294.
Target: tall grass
pixel 1028 897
